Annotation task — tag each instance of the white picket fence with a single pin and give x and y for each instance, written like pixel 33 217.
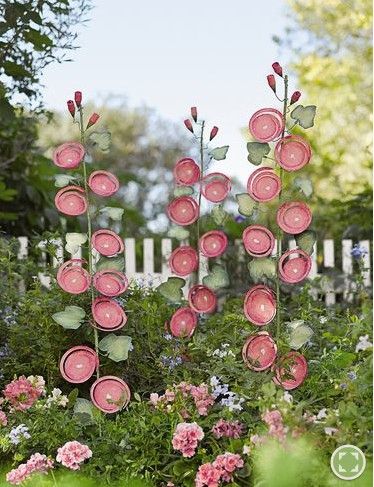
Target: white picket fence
pixel 151 278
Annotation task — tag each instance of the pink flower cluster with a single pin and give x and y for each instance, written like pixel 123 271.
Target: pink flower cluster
pixel 37 463
pixel 72 454
pixel 228 429
pixel 22 393
pixel 3 418
pixel 274 421
pixel 221 470
pixel 200 394
pixel 186 437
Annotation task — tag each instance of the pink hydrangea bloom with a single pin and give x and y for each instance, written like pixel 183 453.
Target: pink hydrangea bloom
pixel 274 421
pixel 37 463
pixel 3 419
pixel 208 475
pixel 227 429
pixel 21 393
pixel 186 437
pixel 203 399
pixel 72 454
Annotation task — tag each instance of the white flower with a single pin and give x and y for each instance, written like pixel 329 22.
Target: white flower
pixel 57 398
pixel 363 343
pixel 214 381
pixel 323 319
pixel 330 431
pixel 287 397
pixel 322 414
pixel 246 450
pixel 38 382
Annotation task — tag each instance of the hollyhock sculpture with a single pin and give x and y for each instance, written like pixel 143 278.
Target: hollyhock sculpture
pixel 293 217
pixel 193 186
pixel 77 276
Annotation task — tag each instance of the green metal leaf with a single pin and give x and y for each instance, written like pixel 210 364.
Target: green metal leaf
pixel 246 204
pixel 217 278
pixel 219 153
pixel 74 241
pixel 172 289
pixel 183 191
pixel 117 347
pixel 113 212
pixel 304 116
pixel 100 140
pixel 299 334
pixel 71 318
pixel 305 185
pixel 257 151
pixel 84 411
pixel 62 180
pixel 111 263
pixel 179 233
pixel 262 267
pixel 305 241
pixel 219 215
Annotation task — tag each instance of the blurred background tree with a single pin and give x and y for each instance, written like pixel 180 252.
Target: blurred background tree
pixel 330 44
pixel 33 34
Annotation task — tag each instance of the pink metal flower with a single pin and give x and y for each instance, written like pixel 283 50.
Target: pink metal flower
pixel 294 217
pixel 72 277
pixel 108 314
pixel 110 394
pixel 183 260
pixel 71 201
pixel 213 243
pixel 78 364
pixel 258 241
pixel 292 152
pixel 92 120
pixel 291 370
pixel 266 124
pixel 103 183
pixel 110 282
pixel 259 305
pixel 183 210
pixel 183 322
pixel 263 184
pixel 68 155
pixel 186 171
pixel 215 187
pixel 294 266
pixel 259 351
pixel 202 299
pixel 107 243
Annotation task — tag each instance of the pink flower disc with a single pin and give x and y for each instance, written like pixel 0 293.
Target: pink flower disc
pixel 71 201
pixel 110 283
pixel 294 217
pixel 183 210
pixel 183 260
pixel 263 184
pixel 108 314
pixel 110 394
pixel 68 155
pixel 186 172
pixel 294 266
pixel 291 370
pixel 213 244
pixel 72 277
pixel 78 364
pixel 259 305
pixel 259 351
pixel 215 187
pixel 107 242
pixel 103 183
pixel 292 152
pixel 202 299
pixel 258 241
pixel 266 124
pixel 183 322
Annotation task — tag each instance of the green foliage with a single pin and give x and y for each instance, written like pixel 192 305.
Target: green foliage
pixel 217 278
pixel 219 153
pixel 264 267
pixel 306 240
pixel 172 289
pixel 117 347
pixel 71 318
pixel 257 151
pixel 246 204
pixel 304 116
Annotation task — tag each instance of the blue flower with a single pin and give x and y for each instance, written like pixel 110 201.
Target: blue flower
pixel 352 375
pixel 16 433
pixel 358 252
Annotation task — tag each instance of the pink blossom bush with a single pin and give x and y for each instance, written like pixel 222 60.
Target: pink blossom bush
pixel 221 470
pixel 186 437
pixel 274 421
pixel 228 429
pixel 72 454
pixel 203 399
pixel 22 393
pixel 37 463
pixel 3 419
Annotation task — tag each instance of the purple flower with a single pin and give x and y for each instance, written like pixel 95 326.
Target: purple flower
pixel 239 219
pixel 358 252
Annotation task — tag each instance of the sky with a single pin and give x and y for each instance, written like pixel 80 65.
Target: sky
pixel 171 55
